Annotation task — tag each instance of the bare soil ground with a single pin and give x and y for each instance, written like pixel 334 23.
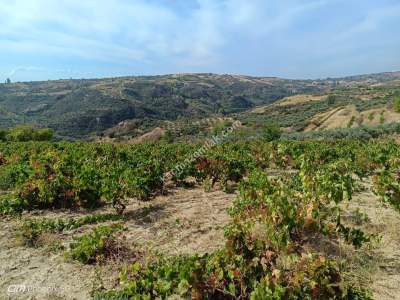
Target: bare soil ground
pixel 378 265
pixel 27 273
pixel 183 222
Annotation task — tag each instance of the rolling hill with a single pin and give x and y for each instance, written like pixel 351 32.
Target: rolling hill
pixel 79 108
pixel 351 103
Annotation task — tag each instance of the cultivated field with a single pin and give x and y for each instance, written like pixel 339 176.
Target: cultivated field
pixel 289 220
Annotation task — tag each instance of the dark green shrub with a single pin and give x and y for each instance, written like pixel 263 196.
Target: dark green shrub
pixel 331 99
pixel 44 134
pixel 271 132
pixel 24 133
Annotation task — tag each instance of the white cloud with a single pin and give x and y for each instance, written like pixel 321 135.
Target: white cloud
pixel 119 30
pixel 371 21
pixel 25 69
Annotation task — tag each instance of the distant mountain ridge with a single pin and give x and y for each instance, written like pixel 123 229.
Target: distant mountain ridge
pixel 78 108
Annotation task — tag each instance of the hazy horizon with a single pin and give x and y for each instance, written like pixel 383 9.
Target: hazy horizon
pixel 189 73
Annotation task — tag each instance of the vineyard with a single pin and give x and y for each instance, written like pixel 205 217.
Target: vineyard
pixel 289 198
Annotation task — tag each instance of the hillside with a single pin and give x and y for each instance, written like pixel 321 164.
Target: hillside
pixel 136 105
pixel 76 108
pixel 356 102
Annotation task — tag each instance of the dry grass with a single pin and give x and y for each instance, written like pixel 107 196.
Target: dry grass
pixel 299 99
pixel 342 117
pixel 292 100
pixel 152 136
pixel 335 118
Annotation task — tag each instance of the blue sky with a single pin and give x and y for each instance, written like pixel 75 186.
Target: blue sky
pixel 49 39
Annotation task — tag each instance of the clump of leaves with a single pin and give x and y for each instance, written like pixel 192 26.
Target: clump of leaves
pixel 28 235
pixel 31 229
pixel 387 186
pixel 35 237
pixel 98 246
pixel 10 204
pixel 371 116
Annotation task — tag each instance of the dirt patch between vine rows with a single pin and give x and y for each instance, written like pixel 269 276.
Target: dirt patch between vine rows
pixel 381 264
pixel 183 222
